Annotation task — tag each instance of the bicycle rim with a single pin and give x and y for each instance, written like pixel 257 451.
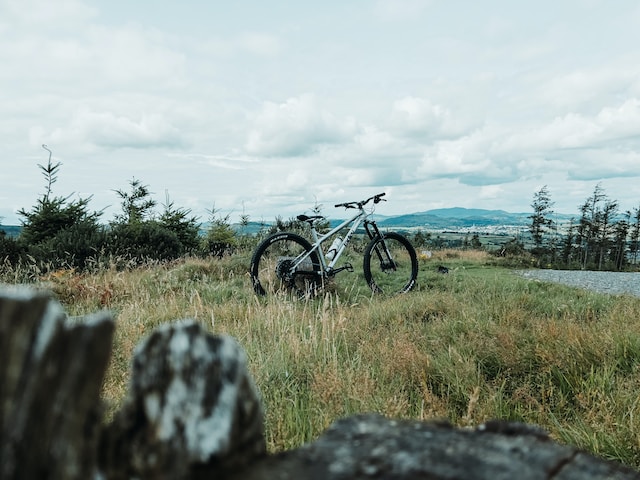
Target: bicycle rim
pixel 390 264
pixel 272 262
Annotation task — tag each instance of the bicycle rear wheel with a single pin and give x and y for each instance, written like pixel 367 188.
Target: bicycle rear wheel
pixel 390 264
pixel 272 266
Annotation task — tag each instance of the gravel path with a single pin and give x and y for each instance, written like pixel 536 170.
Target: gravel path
pixel 603 282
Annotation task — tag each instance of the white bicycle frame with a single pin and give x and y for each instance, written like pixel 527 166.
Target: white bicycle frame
pixel 319 240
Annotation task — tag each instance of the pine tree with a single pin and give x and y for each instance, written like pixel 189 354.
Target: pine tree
pixel 182 223
pixel 634 241
pixel 220 238
pixel 137 205
pixel 541 220
pixel 57 230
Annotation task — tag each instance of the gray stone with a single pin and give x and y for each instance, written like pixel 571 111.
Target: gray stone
pixel 50 379
pixel 191 406
pixel 371 446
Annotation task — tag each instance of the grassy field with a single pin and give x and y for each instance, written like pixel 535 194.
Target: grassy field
pixel 474 344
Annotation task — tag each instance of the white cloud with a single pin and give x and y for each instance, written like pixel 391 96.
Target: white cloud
pixel 91 59
pixel 400 9
pixel 592 165
pixel 577 88
pixel 463 156
pixel 44 14
pixel 491 192
pixel 372 140
pixel 575 130
pixel 108 130
pixel 295 128
pixel 227 162
pixel 132 55
pixel 420 117
pixel 260 43
pixel 247 44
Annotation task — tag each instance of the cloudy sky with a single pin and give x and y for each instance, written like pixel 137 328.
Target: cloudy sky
pixel 269 107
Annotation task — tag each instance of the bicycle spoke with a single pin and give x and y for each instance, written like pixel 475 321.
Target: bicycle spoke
pixel 272 267
pixel 390 264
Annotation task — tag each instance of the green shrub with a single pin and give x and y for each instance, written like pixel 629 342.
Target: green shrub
pixel 186 227
pixel 143 241
pixel 70 247
pixel 220 238
pixel 56 231
pixel 10 249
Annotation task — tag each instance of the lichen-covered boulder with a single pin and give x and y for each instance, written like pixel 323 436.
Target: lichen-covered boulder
pixel 191 406
pixel 51 374
pixel 371 446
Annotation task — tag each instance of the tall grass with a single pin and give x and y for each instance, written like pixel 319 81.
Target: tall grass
pixel 471 345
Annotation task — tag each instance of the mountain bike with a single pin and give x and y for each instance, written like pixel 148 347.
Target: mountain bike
pixel 286 261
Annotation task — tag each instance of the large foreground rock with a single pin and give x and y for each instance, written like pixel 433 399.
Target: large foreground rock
pixel 51 374
pixel 370 446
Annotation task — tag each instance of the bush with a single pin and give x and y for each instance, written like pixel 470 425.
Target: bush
pixel 220 238
pixel 59 232
pixel 185 226
pixel 145 241
pixel 10 249
pixel 70 247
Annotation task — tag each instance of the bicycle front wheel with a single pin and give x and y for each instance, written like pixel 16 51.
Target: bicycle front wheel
pixel 272 266
pixel 390 264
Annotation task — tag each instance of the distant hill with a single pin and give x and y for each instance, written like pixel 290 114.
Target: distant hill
pixel 11 230
pixel 458 212
pixel 456 217
pixel 436 219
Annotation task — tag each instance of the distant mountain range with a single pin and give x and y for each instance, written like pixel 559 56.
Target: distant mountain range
pixel 437 219
pixel 454 218
pixel 445 218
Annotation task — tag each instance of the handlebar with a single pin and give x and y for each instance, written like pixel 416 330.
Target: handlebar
pixel 376 199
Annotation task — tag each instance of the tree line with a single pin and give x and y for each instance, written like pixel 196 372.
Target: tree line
pixel 601 238
pixel 61 232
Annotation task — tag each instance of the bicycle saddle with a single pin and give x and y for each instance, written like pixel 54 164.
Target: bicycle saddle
pixel 306 218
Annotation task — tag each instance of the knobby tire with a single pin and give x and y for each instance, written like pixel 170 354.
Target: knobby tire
pixel 395 275
pixel 270 266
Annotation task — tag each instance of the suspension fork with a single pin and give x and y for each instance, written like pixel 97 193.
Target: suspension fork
pixel 372 229
pixel 383 254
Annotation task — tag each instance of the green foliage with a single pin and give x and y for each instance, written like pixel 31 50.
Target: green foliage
pixel 51 216
pixel 475 242
pixel 74 246
pixel 220 238
pixel 634 243
pixel 10 249
pixel 137 235
pixel 137 205
pixel 291 225
pixel 59 231
pixel 185 226
pixel 541 220
pixel 143 241
pixel 421 239
pixel 512 248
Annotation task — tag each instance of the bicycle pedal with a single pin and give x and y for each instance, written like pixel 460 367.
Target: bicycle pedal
pixel 347 266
